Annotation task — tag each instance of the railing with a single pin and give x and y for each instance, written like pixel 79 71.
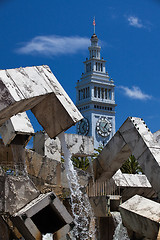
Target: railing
pixel 99 188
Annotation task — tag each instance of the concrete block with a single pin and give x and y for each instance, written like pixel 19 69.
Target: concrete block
pixel 45 214
pixel 99 206
pixel 103 205
pixel 51 171
pixel 36 88
pixel 16 192
pixel 78 145
pixel 142 216
pixel 130 184
pixel 46 146
pixel 17 128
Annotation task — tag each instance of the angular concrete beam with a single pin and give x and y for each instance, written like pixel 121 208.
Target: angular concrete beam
pixel 36 88
pixel 114 154
pixel 18 129
pixel 141 216
pixel 45 214
pixel 129 185
pixel 78 145
pixel 135 137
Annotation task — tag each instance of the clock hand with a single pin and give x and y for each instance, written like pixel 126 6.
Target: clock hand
pixel 105 125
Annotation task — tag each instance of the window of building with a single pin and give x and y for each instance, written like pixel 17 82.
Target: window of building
pixel 101 67
pixel 98 66
pixel 110 94
pixel 99 92
pixel 95 92
pixel 106 94
pixel 102 90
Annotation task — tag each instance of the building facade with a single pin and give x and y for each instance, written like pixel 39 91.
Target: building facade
pixel 95 98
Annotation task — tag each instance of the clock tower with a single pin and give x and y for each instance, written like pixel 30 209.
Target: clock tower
pixel 95 98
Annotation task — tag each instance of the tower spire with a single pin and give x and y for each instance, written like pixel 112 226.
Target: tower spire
pixel 94 25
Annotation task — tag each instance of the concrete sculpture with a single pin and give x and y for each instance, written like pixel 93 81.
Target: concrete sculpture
pixel 132 137
pixel 36 88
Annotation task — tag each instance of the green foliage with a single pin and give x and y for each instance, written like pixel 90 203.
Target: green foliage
pixel 98 151
pixel 83 162
pixel 80 162
pixel 131 166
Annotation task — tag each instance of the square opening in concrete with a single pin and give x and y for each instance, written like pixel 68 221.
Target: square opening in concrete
pixel 48 220
pixel 45 214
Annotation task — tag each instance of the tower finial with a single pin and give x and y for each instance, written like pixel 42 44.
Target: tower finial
pixel 94 24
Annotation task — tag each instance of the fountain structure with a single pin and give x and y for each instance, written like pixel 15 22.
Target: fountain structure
pixel 35 191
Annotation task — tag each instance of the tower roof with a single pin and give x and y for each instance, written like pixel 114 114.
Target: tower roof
pixel 94 36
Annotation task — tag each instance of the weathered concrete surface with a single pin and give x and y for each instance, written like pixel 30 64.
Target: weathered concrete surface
pixel 62 234
pixel 46 146
pixel 106 228
pixel 36 88
pixel 78 145
pixel 132 137
pixel 156 136
pixel 114 154
pixel 4 230
pixel 51 171
pixel 18 126
pixel 103 205
pixel 142 216
pixel 130 184
pixel 16 192
pixel 6 156
pixel 45 214
pixel 43 170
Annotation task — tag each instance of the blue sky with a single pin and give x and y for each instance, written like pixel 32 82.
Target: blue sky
pixel 57 33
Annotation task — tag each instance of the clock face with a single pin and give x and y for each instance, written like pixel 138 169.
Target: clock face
pixel 103 127
pixel 83 126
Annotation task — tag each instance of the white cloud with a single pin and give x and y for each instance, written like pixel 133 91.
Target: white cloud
pixel 54 45
pixel 135 93
pixel 135 22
